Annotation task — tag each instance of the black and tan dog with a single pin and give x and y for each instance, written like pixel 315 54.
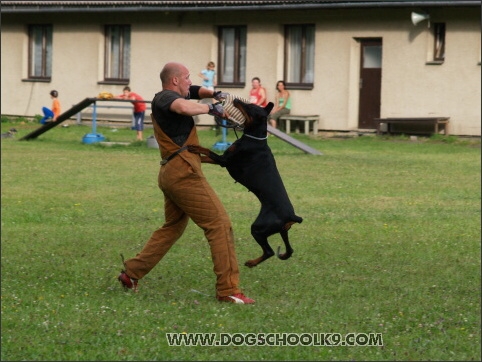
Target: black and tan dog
pixel 250 162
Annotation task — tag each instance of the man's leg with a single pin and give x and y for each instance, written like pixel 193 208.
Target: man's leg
pixel 203 206
pixel 159 243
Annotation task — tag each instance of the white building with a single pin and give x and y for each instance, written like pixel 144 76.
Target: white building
pixel 347 61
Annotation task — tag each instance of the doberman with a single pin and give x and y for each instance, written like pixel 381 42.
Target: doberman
pixel 250 162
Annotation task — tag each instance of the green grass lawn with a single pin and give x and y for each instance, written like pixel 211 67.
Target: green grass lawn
pixel 389 244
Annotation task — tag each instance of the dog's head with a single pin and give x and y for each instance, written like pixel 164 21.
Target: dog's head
pixel 256 117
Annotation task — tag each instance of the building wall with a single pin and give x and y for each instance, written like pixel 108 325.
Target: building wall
pixel 451 89
pixel 410 87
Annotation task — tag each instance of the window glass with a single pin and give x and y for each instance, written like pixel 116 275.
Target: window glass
pixel 439 41
pixel 232 55
pixel 299 55
pixel 118 50
pixel 40 51
pixel 372 56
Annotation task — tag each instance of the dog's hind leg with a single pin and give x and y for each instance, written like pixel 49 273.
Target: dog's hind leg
pixel 267 251
pixel 289 249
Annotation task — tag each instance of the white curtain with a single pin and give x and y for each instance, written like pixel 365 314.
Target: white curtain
pixel 41 50
pixel 242 55
pixel 309 75
pixel 294 54
pixel 301 54
pixel 114 38
pixel 126 53
pixel 228 51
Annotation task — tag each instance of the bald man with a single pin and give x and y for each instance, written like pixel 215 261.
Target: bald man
pixel 187 194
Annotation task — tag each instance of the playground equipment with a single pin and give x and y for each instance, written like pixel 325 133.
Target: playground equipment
pixel 96 137
pixel 292 141
pixel 92 137
pixel 222 145
pixel 63 117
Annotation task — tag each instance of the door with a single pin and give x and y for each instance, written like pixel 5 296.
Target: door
pixel 370 81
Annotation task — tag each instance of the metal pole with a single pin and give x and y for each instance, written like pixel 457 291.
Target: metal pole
pixel 94 118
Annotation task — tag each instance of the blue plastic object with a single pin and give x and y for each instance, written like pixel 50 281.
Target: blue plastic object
pixel 93 137
pixel 223 145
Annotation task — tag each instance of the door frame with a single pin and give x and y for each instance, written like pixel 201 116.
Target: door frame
pixel 365 121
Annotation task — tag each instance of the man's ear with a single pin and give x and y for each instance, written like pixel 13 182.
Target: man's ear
pixel 269 107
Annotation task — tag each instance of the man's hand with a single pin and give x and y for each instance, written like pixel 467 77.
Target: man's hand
pixel 219 96
pixel 217 110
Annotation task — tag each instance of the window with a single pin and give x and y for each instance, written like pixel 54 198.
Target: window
pixel 117 53
pixel 232 56
pixel 439 42
pixel 371 56
pixel 40 52
pixel 299 55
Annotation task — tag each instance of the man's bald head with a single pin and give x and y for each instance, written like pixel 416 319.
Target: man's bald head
pixel 171 70
pixel 175 77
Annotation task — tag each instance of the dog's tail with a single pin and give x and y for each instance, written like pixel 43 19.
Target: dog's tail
pixel 297 219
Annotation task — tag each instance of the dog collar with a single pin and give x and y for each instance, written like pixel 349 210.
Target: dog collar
pixel 257 138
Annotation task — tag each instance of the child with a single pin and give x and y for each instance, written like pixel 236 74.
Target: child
pixel 138 112
pixel 209 76
pixel 54 112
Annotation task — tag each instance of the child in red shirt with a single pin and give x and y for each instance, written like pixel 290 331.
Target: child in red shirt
pixel 139 110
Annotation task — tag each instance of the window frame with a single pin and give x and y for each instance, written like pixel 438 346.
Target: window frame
pixel 47 31
pixel 239 79
pixel 123 62
pixel 300 84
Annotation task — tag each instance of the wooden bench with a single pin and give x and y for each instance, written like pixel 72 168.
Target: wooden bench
pixel 307 119
pixel 434 122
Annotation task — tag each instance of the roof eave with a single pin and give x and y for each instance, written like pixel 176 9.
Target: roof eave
pixel 310 6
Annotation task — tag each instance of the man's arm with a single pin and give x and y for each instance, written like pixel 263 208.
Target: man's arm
pixel 188 108
pixel 205 93
pixel 198 92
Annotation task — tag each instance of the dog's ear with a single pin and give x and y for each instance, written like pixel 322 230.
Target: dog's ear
pixel 269 107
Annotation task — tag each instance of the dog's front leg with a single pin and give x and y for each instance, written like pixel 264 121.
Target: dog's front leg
pixel 207 156
pixel 207 159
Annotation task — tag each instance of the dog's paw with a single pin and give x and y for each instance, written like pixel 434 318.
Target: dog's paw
pixel 251 263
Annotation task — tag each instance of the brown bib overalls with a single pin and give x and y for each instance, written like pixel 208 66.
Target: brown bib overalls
pixel 187 194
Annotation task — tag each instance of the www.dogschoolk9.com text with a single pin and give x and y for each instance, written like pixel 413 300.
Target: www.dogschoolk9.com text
pixel 275 339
